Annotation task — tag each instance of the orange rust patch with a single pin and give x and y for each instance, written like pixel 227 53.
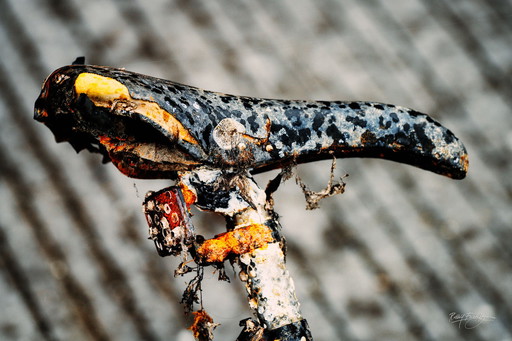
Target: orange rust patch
pixel 116 148
pixel 113 145
pixel 465 162
pixel 189 196
pixel 42 113
pixel 260 140
pixel 238 241
pixel 202 326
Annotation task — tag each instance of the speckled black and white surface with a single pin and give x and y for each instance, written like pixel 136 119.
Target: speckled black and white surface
pixel 390 259
pixel 228 131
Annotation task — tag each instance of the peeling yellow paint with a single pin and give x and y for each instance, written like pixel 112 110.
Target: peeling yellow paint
pixel 107 92
pixel 238 241
pixel 100 88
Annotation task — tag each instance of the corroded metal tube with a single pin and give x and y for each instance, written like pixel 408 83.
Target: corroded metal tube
pixel 270 288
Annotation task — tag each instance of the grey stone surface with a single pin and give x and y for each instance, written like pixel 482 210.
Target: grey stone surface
pixel 390 259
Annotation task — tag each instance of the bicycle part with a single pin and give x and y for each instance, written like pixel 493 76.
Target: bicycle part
pixel 152 128
pixel 212 143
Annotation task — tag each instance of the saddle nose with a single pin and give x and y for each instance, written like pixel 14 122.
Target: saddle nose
pixel 40 108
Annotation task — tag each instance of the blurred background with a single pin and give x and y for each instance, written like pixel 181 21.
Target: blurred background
pixel 391 259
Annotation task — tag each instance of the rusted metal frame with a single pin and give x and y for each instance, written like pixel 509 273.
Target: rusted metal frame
pixel 253 241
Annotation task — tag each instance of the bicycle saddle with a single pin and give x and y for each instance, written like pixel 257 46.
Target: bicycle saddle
pixel 153 128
